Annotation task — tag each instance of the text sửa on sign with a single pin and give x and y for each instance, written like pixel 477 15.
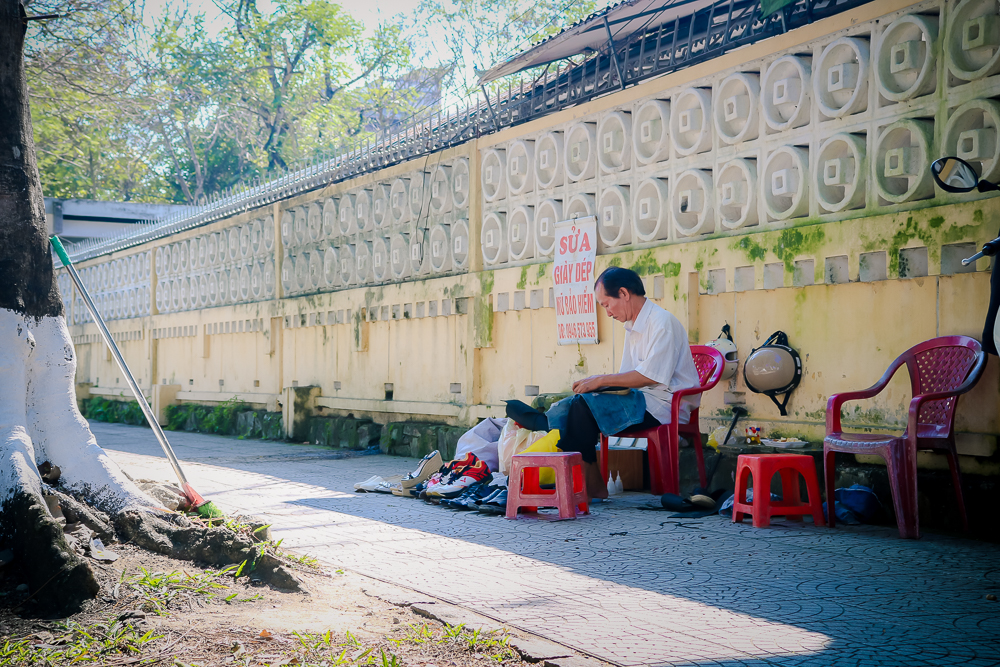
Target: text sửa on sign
pixel 573 277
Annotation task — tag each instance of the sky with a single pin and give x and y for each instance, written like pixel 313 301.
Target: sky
pixel 369 12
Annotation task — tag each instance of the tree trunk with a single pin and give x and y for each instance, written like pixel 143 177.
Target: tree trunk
pixel 39 420
pixel 26 284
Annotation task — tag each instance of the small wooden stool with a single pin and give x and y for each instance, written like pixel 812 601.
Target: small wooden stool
pixel 569 494
pixel 762 468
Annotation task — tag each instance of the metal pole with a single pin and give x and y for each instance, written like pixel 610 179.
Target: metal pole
pixel 191 494
pixel 614 55
pixel 496 121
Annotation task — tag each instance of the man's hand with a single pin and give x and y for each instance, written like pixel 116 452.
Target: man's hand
pixel 593 383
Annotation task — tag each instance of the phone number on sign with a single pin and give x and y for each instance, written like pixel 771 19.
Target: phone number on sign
pixel 577 330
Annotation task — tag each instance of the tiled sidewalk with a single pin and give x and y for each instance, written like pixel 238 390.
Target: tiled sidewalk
pixel 627 586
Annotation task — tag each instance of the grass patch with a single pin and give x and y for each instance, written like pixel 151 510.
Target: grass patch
pixel 73 643
pixel 494 644
pixel 158 589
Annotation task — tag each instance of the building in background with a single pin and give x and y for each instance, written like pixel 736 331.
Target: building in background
pixel 75 220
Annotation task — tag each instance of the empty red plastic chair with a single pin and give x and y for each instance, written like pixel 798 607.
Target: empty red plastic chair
pixel 761 468
pixel 664 440
pixel 941 369
pixel 524 491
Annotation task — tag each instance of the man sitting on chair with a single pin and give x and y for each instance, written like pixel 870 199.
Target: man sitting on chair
pixel 656 360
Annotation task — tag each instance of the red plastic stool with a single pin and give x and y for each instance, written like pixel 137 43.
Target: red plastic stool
pixel 762 467
pixel 524 491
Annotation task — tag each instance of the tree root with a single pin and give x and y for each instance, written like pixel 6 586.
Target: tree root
pixel 75 511
pixel 59 580
pixel 217 546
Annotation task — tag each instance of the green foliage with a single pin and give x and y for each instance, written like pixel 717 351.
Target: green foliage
pixel 159 589
pixel 77 643
pixel 84 80
pixel 167 110
pixel 221 419
pixel 115 412
pixel 135 104
pixel 493 643
pixel 177 416
pixel 482 33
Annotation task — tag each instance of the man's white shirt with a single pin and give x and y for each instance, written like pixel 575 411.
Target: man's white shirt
pixel 656 345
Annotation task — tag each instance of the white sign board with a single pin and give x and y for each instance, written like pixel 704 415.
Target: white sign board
pixel 573 277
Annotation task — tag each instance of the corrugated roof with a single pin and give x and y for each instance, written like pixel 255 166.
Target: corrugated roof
pixel 591 34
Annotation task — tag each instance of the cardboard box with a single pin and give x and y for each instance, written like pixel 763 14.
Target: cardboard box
pixel 629 462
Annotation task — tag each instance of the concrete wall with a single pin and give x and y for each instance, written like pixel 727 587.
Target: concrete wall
pixel 783 186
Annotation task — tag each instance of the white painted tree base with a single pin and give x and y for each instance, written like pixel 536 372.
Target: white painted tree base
pixel 39 419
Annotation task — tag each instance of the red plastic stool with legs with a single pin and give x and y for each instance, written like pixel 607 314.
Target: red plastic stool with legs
pixel 762 468
pixel 524 491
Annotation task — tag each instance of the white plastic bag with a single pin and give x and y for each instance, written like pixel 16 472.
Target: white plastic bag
pixel 514 440
pixel 483 441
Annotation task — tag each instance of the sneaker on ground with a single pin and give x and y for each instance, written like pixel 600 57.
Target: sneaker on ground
pixel 475 471
pixel 368 485
pixel 427 466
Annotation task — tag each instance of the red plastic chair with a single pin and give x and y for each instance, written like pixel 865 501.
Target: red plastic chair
pixel 664 440
pixel 941 369
pixel 525 492
pixel 761 468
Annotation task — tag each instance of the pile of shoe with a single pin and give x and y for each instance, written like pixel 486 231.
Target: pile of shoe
pixel 451 480
pixel 464 484
pixel 489 497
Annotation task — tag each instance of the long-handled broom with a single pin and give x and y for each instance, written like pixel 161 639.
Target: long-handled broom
pixel 204 508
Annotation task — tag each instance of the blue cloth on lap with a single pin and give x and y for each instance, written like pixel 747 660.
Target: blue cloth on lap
pixel 612 412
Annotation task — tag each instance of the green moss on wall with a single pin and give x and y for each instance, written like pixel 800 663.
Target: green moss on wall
pixel 646 265
pixel 358 317
pixel 793 242
pixel 753 250
pixel 932 233
pixel 523 282
pixel 482 313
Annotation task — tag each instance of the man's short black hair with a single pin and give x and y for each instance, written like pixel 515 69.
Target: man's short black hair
pixel 614 278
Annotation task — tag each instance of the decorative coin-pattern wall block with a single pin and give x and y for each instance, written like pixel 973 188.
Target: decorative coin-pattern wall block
pixel 413 226
pixel 234 265
pixel 120 288
pixel 842 127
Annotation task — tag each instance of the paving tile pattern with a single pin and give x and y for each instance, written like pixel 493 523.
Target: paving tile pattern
pixel 624 585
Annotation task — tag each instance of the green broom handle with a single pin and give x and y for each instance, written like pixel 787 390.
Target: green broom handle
pixel 133 385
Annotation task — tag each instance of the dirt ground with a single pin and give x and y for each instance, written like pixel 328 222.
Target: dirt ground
pixel 154 610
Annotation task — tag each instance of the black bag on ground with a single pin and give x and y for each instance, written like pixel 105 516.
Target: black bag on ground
pixel 773 368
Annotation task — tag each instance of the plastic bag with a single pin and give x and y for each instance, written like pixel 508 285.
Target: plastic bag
pixel 514 440
pixel 547 443
pixel 481 440
pixel 860 500
pixel 716 436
